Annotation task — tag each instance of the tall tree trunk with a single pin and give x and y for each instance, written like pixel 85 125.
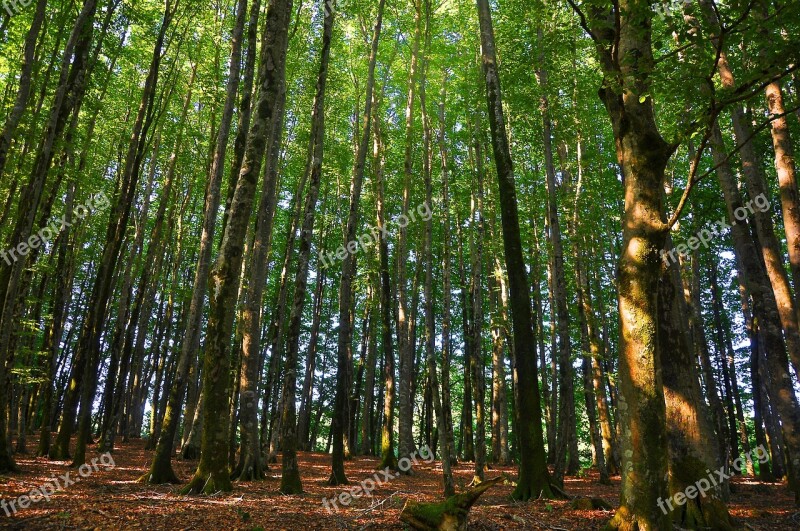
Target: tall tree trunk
pixel 446 282
pixel 290 477
pixel 566 459
pixel 345 339
pixel 730 410
pixel 499 300
pixel 643 155
pixel 250 466
pixel 88 346
pixel 161 467
pixel 212 473
pixel 766 314
pixel 69 93
pixel 477 360
pixel 427 253
pixel 697 328
pixel 405 341
pixel 724 339
pixel 534 478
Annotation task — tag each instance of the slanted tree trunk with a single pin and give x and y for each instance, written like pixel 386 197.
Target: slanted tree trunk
pixel 212 473
pixel 534 478
pixel 766 313
pixel 161 467
pixel 24 89
pixel 787 182
pixel 68 95
pixel 88 346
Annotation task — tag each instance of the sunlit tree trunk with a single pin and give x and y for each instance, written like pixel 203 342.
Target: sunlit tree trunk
pixel 643 155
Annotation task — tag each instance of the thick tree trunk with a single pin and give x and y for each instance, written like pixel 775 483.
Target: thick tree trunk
pixel 689 425
pixel 212 474
pixel 161 467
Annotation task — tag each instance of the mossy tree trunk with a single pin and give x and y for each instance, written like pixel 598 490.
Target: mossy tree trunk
pixel 212 473
pixel 534 478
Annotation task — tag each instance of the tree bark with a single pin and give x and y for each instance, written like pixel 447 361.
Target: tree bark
pixel 534 478
pixel 212 474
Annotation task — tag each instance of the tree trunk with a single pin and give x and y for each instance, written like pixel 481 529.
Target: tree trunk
pixel 68 95
pixel 566 460
pixel 24 90
pixel 787 182
pixel 643 155
pixel 689 427
pixel 345 339
pixel 212 474
pixel 405 341
pixel 534 478
pixel 766 315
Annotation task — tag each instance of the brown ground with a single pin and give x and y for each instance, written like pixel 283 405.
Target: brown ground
pixel 111 499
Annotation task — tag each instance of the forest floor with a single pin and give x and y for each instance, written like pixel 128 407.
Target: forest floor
pixel 111 498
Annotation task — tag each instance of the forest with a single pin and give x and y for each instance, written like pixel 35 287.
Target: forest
pixel 417 264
